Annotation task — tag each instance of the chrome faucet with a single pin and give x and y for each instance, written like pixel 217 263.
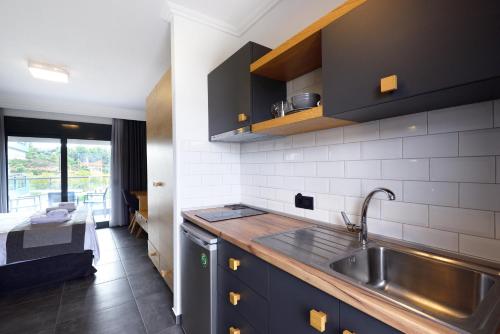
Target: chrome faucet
pixel 363 228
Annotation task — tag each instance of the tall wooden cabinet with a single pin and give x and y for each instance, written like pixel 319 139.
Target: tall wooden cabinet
pixel 160 177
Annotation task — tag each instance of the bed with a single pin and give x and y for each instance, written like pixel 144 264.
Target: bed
pixel 32 255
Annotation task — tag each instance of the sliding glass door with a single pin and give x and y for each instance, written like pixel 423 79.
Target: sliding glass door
pixel 34 173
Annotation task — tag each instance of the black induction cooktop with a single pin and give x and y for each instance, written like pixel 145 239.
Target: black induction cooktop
pixel 237 211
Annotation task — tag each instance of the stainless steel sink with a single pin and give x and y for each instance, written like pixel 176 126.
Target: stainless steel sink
pixel 436 287
pixel 458 293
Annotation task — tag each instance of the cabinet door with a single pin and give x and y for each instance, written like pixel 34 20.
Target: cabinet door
pixel 429 45
pixel 291 301
pixel 355 321
pixel 229 93
pixel 160 175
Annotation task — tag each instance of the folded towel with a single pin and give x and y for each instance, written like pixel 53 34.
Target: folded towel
pixel 58 213
pixel 44 219
pixel 52 208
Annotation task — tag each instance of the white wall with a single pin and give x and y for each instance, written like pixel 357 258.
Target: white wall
pixel 443 165
pixel 56 116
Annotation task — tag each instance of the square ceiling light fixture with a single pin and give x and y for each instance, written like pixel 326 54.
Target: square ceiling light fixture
pixel 48 72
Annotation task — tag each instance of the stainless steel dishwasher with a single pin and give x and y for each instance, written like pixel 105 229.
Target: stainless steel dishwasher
pixel 199 280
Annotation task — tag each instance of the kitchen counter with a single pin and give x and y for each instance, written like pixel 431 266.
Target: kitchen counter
pixel 241 232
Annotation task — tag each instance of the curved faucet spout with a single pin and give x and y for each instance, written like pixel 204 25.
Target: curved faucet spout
pixel 364 229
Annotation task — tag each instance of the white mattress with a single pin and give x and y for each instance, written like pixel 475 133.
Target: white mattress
pixel 9 220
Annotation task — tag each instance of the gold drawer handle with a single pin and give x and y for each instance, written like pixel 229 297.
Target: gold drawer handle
pixel 153 254
pixel 347 332
pixel 233 330
pixel 242 117
pixel 234 264
pixel 234 298
pixel 317 320
pixel 389 84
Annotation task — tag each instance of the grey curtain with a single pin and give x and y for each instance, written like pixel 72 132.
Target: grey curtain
pixel 128 165
pixel 3 168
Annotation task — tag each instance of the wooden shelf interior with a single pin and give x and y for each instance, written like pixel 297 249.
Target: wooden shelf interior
pixel 300 54
pixel 299 122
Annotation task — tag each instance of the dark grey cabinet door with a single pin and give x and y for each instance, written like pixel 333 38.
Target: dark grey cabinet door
pixel 291 301
pixel 429 45
pixel 355 321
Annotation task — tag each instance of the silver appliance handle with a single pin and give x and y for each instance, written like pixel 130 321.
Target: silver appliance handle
pixel 197 240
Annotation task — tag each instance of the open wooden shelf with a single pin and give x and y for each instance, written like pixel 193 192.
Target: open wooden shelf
pixel 300 54
pixel 299 122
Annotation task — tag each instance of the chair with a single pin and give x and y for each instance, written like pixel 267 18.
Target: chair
pixel 96 198
pixel 132 204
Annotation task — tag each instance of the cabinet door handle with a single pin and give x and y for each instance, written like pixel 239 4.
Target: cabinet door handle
pixel 153 254
pixel 157 184
pixel 389 84
pixel 233 330
pixel 234 298
pixel 242 117
pixel 234 264
pixel 345 331
pixel 317 320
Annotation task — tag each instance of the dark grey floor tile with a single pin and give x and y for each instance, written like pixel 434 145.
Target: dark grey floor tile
pixel 31 294
pixel 172 330
pixel 139 266
pixel 94 299
pixel 156 311
pixel 108 256
pixel 144 284
pixel 30 317
pixel 133 252
pixel 109 272
pixel 123 238
pixel 122 319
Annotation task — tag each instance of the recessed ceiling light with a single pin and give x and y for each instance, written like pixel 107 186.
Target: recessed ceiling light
pixel 70 126
pixel 48 72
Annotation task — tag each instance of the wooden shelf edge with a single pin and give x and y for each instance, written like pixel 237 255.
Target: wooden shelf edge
pixel 309 31
pixel 299 122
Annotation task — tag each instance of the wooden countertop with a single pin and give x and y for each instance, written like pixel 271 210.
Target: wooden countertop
pixel 241 232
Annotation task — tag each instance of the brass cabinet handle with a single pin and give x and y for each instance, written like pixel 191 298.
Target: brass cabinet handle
pixel 389 84
pixel 234 298
pixel 345 331
pixel 317 320
pixel 158 184
pixel 234 264
pixel 242 117
pixel 153 254
pixel 233 330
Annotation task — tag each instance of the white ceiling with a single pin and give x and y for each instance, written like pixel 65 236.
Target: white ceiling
pixel 232 16
pixel 115 50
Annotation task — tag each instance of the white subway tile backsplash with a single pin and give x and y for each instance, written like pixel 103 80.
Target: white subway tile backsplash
pixel 276 206
pixel 407 213
pixel 210 157
pixel 317 185
pixel 292 210
pixel 285 169
pixel 481 142
pixel 346 187
pixel 286 196
pixel 249 147
pixel 330 169
pixel 283 143
pixel 230 157
pixel 294 155
pixel 253 157
pixel 268 193
pixel 294 183
pixel 319 215
pixel 382 149
pixel 385 228
pixel 480 247
pixel 266 169
pixel 267 145
pixel 274 156
pixel 404 126
pixel 330 136
pixel 345 152
pixel 430 237
pixel 480 196
pixel 304 169
pixel 275 181
pixel 361 132
pixel 194 157
pixel 406 169
pixel 250 169
pixel 368 169
pixel 329 202
pixel 319 153
pixel 259 180
pixel 471 169
pixel 250 191
pixel 474 222
pixel 438 193
pixel 442 145
pixel 395 186
pixel 235 148
pixel 304 139
pixel 353 206
pixel 461 118
pixel 231 179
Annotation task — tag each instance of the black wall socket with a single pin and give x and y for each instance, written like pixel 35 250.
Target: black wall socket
pixel 304 202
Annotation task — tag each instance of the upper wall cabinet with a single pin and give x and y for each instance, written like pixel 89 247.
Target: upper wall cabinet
pixel 237 98
pixel 393 57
